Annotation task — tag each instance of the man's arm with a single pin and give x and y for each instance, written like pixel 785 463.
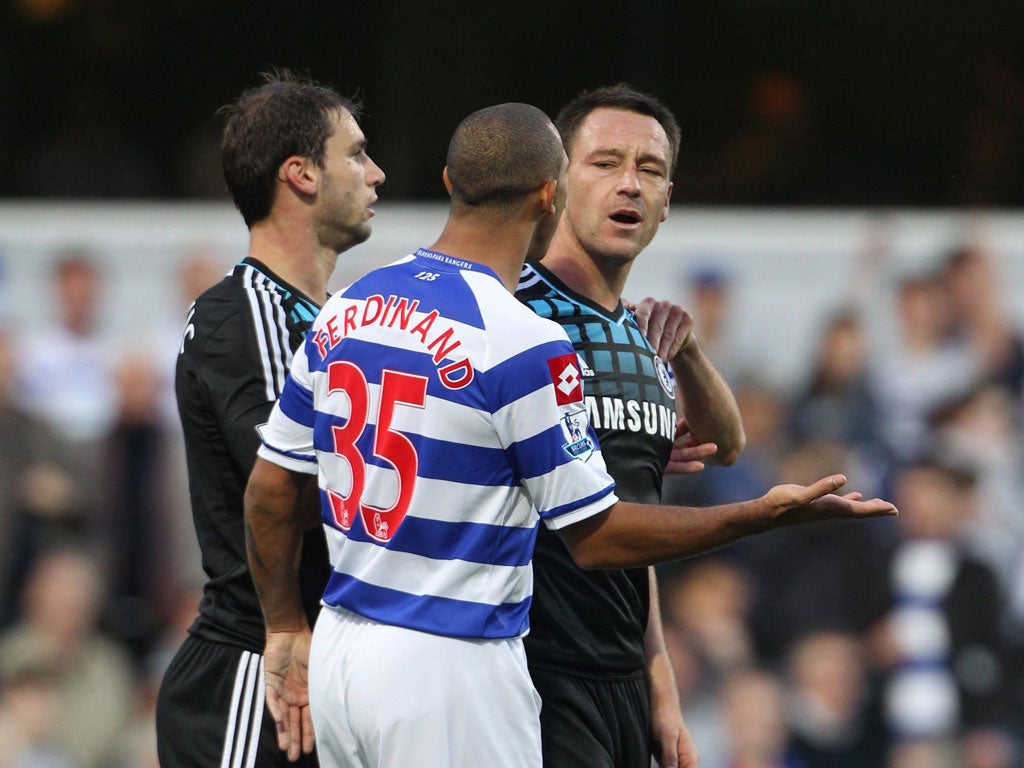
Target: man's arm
pixel 628 535
pixel 708 405
pixel 273 534
pixel 671 736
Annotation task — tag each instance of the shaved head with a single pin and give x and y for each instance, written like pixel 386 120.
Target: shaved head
pixel 499 154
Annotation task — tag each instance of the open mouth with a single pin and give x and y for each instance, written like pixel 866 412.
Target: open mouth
pixel 625 217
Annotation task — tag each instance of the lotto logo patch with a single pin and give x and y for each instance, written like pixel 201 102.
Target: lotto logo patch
pixel 565 375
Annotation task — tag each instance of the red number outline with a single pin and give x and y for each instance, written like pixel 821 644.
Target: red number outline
pixel 389 445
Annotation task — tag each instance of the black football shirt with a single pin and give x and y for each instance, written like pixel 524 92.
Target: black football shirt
pixel 594 621
pixel 235 353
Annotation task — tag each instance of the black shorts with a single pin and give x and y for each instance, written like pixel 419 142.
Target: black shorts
pixel 210 711
pixel 588 722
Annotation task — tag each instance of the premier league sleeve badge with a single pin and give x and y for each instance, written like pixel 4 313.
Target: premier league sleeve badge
pixel 574 427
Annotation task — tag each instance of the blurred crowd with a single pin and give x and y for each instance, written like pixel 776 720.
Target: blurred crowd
pixel 99 571
pixel 895 643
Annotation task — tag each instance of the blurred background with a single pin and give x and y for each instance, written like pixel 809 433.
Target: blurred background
pixel 782 102
pixel 847 228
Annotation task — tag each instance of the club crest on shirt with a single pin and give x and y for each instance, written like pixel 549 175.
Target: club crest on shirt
pixel 666 377
pixel 574 427
pixel 565 375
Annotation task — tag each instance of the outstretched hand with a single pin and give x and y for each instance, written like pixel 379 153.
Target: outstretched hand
pixel 667 326
pixel 795 504
pixel 286 668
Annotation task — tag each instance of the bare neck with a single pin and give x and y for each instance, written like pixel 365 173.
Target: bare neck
pixel 502 246
pixel 599 279
pixel 295 255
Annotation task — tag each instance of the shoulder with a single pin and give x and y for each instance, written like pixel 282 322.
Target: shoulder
pixel 504 312
pixel 236 322
pixel 529 279
pixel 218 312
pixel 533 285
pixel 252 298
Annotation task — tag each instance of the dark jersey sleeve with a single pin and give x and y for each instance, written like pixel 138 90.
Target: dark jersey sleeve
pixel 233 375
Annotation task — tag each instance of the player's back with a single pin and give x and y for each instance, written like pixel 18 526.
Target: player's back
pixel 435 420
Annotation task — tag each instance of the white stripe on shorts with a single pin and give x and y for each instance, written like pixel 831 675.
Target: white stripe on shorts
pixel 246 715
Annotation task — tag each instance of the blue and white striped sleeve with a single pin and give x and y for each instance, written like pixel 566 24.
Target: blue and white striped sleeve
pixel 548 437
pixel 287 437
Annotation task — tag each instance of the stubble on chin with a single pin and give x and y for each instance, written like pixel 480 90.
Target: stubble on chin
pixel 361 233
pixel 353 236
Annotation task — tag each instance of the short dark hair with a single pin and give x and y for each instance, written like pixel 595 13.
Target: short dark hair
pixel 289 114
pixel 620 96
pixel 499 154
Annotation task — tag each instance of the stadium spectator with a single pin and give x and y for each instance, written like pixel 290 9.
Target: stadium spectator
pixel 832 707
pixel 36 492
pixel 981 431
pixel 142 566
pixel 66 371
pixel 835 402
pixel 920 369
pixel 137 746
pixel 705 602
pixel 710 295
pixel 61 606
pixel 972 287
pixel 754 714
pixel 813 577
pixel 29 708
pixel 940 646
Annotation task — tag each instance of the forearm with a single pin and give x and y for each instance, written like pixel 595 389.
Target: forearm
pixel 661 677
pixel 708 404
pixel 273 535
pixel 629 535
pixel 673 744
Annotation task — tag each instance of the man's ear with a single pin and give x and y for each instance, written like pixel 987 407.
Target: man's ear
pixel 300 173
pixel 668 199
pixel 447 181
pixel 549 196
